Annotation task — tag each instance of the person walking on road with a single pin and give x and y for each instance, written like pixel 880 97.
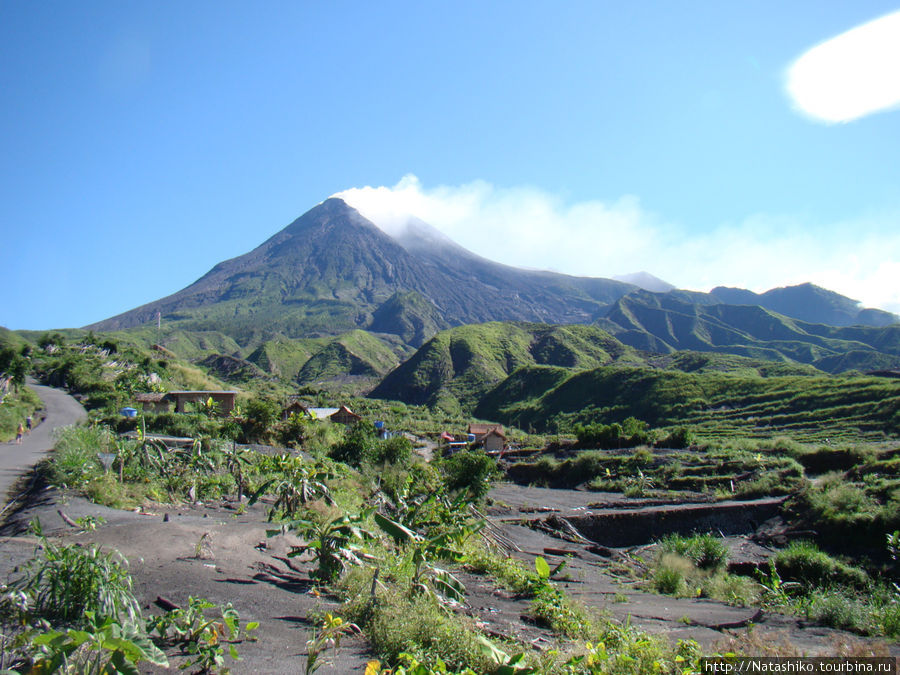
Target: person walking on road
pixel 20 431
pixel 28 424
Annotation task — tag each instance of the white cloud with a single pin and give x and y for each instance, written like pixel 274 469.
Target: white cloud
pixel 852 75
pixel 529 227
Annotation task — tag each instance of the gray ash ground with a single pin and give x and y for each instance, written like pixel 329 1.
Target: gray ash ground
pixel 239 564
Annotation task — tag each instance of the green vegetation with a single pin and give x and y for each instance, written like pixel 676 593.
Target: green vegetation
pixel 459 366
pixel 65 582
pixel 696 566
pixel 804 562
pixel 714 405
pixel 734 470
pixel 16 406
pixel 631 433
pixel 705 551
pixel 73 610
pixel 665 323
pixel 16 402
pixel 392 535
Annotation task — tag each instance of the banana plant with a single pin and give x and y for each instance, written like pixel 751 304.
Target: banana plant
pixel 443 585
pixel 297 484
pixel 333 544
pixel 236 460
pixel 104 647
pixel 435 513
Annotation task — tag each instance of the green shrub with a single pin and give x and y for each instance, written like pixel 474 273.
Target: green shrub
pixel 554 609
pixel 67 581
pixel 470 470
pixel 732 589
pixel 74 461
pixel 838 611
pixel 395 622
pixel 359 444
pixel 628 434
pixel 642 456
pixel 669 576
pixel 394 450
pixel 704 550
pixel 680 437
pixel 889 618
pixel 507 571
pixel 803 561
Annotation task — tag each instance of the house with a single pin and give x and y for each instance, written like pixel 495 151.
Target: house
pixel 223 399
pixel 152 402
pixel 494 441
pixel 345 416
pixel 295 408
pixel 158 402
pixel 342 415
pixel 491 436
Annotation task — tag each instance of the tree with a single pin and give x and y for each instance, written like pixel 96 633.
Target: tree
pixel 470 470
pixel 261 414
pixel 15 366
pixel 358 444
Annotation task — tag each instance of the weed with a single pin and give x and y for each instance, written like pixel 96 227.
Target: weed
pixel 101 648
pixel 671 573
pixel 507 571
pixel 67 581
pixel 327 635
pixel 201 637
pixel 395 622
pixel 706 551
pixel 804 562
pixel 837 610
pixel 89 523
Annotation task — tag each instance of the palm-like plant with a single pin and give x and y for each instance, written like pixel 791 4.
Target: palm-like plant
pixel 333 543
pixel 297 484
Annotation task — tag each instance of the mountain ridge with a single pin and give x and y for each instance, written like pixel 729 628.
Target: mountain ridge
pixel 332 270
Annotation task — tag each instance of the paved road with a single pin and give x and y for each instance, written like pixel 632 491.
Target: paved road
pixel 60 410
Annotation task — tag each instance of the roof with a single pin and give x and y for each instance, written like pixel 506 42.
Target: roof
pixel 150 397
pixel 496 432
pixel 322 413
pixel 482 429
pixel 204 393
pixel 344 409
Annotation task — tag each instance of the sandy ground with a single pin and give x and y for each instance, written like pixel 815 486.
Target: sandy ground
pixel 239 564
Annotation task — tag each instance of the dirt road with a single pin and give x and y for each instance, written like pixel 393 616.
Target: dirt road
pixel 59 409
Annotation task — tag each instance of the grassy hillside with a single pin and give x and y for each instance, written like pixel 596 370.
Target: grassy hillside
pixel 355 353
pixel 283 357
pixel 811 407
pixel 459 366
pixel 667 323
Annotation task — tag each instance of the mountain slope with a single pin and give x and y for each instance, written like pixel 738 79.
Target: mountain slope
pixel 808 302
pixel 332 270
pixel 458 366
pixel 664 323
pixel 814 407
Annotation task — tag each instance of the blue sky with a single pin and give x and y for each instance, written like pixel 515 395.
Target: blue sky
pixel 143 142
